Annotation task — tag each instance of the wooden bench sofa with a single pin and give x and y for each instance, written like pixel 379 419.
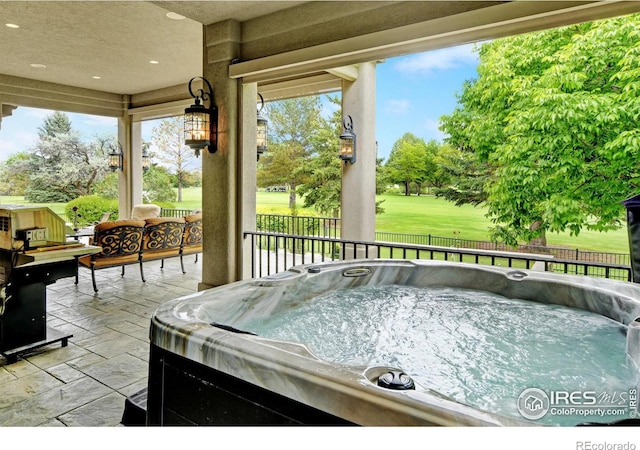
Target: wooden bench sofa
pixel 126 242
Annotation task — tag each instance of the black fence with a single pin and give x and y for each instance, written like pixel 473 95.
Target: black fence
pixel 299 225
pixel 175 212
pixel 330 227
pixel 557 252
pixel 277 252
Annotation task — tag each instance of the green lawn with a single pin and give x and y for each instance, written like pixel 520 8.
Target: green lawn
pixel 413 215
pixel 429 215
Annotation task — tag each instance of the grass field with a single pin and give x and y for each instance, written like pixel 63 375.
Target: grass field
pixel 413 215
pixel 430 215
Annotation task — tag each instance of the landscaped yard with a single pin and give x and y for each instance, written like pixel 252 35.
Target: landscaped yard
pixel 414 215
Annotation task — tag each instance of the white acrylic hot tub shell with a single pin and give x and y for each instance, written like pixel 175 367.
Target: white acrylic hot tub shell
pixel 182 326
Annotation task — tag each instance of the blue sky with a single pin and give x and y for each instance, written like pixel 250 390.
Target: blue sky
pixel 412 93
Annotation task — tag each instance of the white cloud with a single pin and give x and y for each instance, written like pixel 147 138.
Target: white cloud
pixel 438 60
pixel 399 106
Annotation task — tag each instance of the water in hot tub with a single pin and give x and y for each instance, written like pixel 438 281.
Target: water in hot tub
pixel 475 347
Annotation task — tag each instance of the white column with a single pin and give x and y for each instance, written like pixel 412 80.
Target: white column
pixel 130 178
pixel 247 164
pixel 358 207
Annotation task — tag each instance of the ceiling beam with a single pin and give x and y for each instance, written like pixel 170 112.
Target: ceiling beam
pixel 41 94
pixel 349 73
pixel 473 26
pixel 320 83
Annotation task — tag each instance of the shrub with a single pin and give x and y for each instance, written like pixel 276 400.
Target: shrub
pixel 90 209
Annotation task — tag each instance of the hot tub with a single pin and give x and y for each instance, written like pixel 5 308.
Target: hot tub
pixel 208 365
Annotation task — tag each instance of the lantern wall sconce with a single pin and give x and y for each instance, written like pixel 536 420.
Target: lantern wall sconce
pixel 261 135
pixel 200 122
pixel 347 141
pixel 145 157
pixel 116 157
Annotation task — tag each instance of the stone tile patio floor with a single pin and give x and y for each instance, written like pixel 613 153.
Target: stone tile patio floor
pixel 86 383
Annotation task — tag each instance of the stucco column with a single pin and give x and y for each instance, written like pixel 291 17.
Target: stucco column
pixel 221 171
pixel 248 158
pixel 358 207
pixel 130 178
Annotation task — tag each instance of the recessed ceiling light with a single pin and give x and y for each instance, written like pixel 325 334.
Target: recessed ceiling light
pixel 11 25
pixel 174 16
pixel 38 66
pixel 96 77
pixel 154 62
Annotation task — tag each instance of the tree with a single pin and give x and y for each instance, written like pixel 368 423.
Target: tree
pixel 169 140
pixel 293 126
pixel 322 173
pixel 322 189
pixel 54 124
pixel 61 166
pixel 408 162
pixel 463 177
pixel 14 173
pixel 157 186
pixel 467 174
pixel 555 116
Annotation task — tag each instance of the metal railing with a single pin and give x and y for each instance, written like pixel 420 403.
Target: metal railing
pixel 175 212
pixel 277 252
pixel 300 225
pixel 558 252
pixel 330 227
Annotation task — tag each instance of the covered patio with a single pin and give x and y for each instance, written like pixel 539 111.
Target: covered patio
pixel 133 60
pixel 85 384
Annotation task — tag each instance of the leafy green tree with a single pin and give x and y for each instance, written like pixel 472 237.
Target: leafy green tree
pixel 157 186
pixel 293 126
pixel 408 162
pixel 107 187
pixel 555 116
pixel 172 151
pixel 14 173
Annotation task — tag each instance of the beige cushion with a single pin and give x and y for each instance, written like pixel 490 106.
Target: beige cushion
pixel 117 223
pixel 159 220
pixel 142 212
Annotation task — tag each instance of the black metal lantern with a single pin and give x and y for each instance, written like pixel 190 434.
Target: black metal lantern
pixel 145 157
pixel 116 157
pixel 200 122
pixel 348 141
pixel 261 136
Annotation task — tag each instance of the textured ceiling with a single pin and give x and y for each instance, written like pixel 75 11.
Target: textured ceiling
pixel 108 45
pixel 113 40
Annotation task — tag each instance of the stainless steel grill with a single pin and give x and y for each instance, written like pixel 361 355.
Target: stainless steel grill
pixel 34 253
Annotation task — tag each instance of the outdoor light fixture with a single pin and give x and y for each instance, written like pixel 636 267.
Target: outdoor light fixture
pixel 348 141
pixel 116 157
pixel 201 123
pixel 145 157
pixel 261 137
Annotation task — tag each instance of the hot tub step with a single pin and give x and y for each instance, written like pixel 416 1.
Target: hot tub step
pixel 135 410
